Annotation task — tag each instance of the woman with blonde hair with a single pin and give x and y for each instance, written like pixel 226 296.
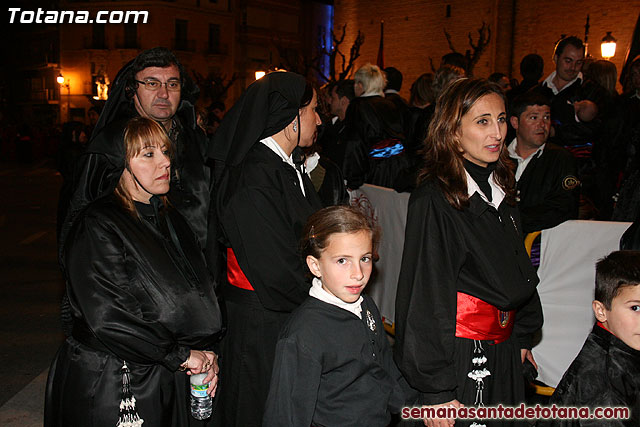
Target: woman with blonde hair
pixel 466 305
pixel 374 133
pixel 369 81
pixel 144 315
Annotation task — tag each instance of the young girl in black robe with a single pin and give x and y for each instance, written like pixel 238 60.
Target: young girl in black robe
pixel 466 304
pixel 333 362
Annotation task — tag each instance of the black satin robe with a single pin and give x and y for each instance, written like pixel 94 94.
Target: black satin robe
pixel 262 212
pixel 478 251
pixel 368 121
pixel 605 373
pixel 134 297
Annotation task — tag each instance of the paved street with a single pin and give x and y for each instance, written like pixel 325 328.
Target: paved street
pixel 30 288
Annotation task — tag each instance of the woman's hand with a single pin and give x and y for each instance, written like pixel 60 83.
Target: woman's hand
pixel 204 361
pixel 526 354
pixel 442 422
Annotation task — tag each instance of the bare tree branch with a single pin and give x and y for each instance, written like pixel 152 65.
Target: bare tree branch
pixel 449 42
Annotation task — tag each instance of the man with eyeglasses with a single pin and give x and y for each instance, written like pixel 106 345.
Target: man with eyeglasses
pixel 155 85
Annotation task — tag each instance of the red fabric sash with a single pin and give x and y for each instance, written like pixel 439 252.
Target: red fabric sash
pixel 479 320
pixel 235 276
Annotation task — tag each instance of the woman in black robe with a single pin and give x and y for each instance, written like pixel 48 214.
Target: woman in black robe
pixel 141 300
pixel 263 199
pixel 467 304
pixel 374 133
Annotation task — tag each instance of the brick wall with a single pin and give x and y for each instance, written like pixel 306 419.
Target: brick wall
pixel 413 30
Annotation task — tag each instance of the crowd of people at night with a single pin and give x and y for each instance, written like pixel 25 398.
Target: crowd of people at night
pixel 229 248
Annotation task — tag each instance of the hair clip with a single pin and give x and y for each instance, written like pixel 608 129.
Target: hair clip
pixel 312 233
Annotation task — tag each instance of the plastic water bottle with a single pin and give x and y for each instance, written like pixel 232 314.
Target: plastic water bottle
pixel 201 402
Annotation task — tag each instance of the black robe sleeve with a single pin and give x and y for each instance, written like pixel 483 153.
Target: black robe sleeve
pixel 358 126
pixel 294 385
pixel 262 221
pixel 426 299
pixel 97 266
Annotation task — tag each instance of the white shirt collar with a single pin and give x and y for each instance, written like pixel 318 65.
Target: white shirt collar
pixel 549 83
pixel 311 162
pixel 275 147
pixel 318 292
pixel 368 94
pixel 513 153
pixel 522 163
pixel 497 195
pixel 390 91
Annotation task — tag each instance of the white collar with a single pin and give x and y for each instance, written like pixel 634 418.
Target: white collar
pixel 390 91
pixel 318 292
pixel 511 148
pixel 275 147
pixel 549 82
pixel 497 195
pixel 636 95
pixel 311 162
pixel 368 94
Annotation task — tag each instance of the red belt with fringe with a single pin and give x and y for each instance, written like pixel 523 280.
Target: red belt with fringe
pixel 479 320
pixel 235 276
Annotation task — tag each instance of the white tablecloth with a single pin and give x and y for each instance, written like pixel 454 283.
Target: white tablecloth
pixel 389 209
pixel 568 254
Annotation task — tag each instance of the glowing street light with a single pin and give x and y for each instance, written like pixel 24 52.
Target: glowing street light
pixel 608 46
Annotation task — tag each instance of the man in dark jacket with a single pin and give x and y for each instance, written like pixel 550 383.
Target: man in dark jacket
pixel 547 187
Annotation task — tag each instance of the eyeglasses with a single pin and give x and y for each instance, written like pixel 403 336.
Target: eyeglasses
pixel 153 84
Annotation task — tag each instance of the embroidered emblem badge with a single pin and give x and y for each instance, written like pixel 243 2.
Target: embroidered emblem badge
pixel 570 182
pixel 370 322
pixel 503 317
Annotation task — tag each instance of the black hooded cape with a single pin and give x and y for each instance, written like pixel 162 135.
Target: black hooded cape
pixel 138 291
pixel 261 210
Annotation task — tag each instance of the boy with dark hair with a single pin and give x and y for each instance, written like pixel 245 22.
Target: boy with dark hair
pixel 606 372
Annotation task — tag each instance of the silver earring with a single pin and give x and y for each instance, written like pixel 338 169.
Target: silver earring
pixel 295 127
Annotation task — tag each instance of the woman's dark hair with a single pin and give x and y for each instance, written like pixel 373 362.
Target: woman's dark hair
pixel 615 271
pixel 443 156
pixel 139 132
pixel 307 96
pixel 331 220
pixel 422 91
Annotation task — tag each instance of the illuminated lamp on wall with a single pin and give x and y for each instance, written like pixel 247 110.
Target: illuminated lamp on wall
pixel 608 46
pixel 67 85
